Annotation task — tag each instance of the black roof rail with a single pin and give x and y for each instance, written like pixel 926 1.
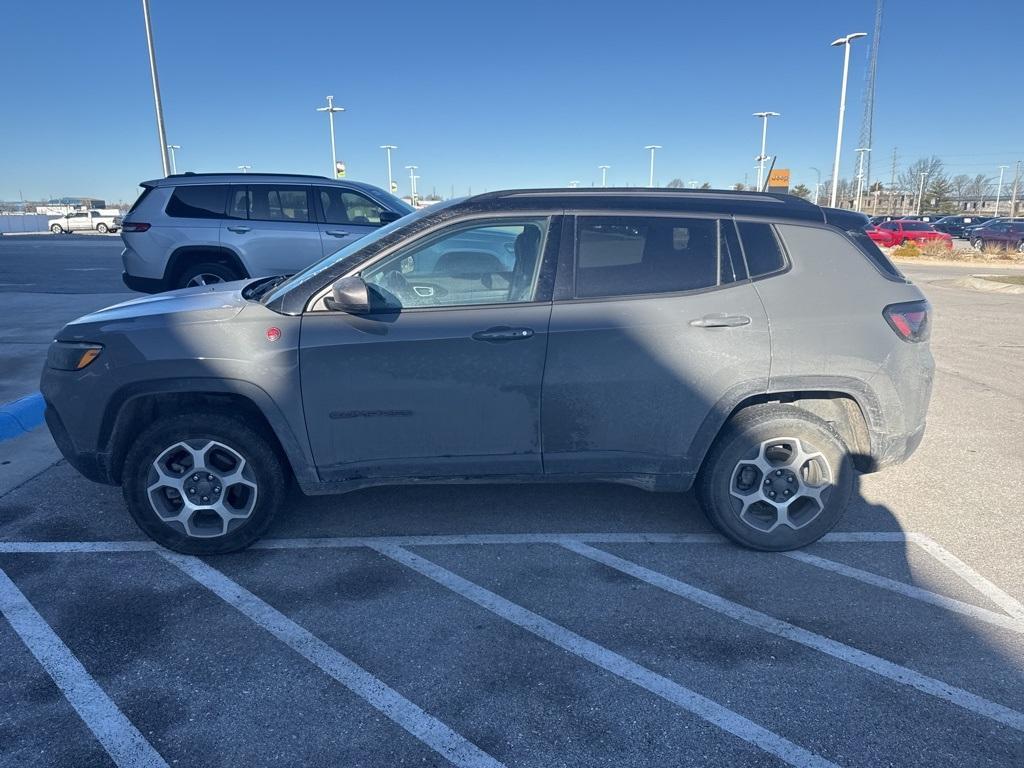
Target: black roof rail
pixel 191 174
pixel 731 194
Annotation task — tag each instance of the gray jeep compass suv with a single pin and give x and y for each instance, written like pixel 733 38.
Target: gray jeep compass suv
pixel 754 345
pixel 202 228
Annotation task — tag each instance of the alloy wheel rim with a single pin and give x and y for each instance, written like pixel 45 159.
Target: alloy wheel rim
pixel 204 278
pixel 202 488
pixel 787 483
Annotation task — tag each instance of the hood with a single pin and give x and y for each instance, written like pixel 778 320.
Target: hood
pixel 206 304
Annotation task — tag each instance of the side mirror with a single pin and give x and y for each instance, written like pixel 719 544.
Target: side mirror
pixel 349 294
pixel 386 217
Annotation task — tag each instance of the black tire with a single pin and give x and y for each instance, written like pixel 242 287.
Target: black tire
pixel 102 228
pixel 980 245
pixel 57 229
pixel 262 461
pixel 222 272
pixel 740 440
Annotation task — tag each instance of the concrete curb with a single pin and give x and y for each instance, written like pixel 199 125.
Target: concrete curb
pixel 979 283
pixel 20 416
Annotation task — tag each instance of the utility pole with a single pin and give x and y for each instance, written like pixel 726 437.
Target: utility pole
pixel 892 184
pixel 1013 200
pixel 652 148
pixel 999 189
pixel 391 182
pixel 161 134
pixel 861 151
pixel 330 109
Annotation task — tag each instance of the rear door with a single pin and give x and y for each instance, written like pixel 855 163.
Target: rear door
pixel 655 329
pixel 345 215
pixel 272 227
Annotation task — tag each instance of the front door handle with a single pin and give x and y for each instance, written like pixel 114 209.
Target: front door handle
pixel 503 333
pixel 336 233
pixel 240 229
pixel 720 321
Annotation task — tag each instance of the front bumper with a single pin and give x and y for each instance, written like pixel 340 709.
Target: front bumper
pixel 91 464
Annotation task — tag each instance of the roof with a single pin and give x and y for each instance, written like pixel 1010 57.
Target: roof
pixel 181 179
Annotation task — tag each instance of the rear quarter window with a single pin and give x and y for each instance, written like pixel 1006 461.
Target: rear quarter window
pixel 810 243
pixel 205 201
pixel 761 248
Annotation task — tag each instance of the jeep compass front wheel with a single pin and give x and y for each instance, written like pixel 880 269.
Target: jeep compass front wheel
pixel 203 484
pixel 777 478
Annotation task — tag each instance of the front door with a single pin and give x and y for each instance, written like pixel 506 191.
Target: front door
pixel 345 216
pixel 443 376
pixel 660 325
pixel 273 228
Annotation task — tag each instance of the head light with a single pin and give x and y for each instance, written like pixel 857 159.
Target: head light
pixel 72 356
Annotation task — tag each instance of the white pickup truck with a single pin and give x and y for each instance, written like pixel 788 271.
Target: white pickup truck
pixel 88 221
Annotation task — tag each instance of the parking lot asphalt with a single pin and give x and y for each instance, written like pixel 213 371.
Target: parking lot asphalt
pixel 545 625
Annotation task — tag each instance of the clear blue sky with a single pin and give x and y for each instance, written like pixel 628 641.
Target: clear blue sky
pixel 495 94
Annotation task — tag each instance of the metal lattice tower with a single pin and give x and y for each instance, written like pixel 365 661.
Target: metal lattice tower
pixel 867 121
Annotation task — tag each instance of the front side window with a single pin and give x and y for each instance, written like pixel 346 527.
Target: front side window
pixel 270 202
pixel 200 201
pixel 630 255
pixel 343 206
pixel 485 263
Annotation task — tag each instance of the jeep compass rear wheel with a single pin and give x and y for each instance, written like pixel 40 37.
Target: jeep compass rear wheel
pixel 208 273
pixel 777 478
pixel 203 483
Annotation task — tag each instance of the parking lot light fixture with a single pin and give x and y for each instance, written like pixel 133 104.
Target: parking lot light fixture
pixel 172 147
pixel 388 148
pixel 604 174
pixel 845 42
pixel 330 109
pixel 764 141
pixel 412 183
pixel 920 191
pixel 817 186
pixel 652 148
pixel 999 188
pixel 860 175
pixel 573 184
pixel 244 168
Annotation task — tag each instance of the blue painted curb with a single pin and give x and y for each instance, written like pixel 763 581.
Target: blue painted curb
pixel 20 416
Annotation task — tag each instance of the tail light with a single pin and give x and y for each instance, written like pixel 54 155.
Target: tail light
pixel 909 320
pixel 135 226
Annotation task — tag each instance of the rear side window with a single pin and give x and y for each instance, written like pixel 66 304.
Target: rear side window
pixel 277 203
pixel 198 202
pixel 630 255
pixel 140 198
pixel 761 248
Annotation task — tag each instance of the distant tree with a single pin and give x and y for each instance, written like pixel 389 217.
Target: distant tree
pixel 938 194
pixel 910 179
pixel 675 184
pixel 801 191
pixel 960 186
pixel 981 186
pixel 706 185
pixel 738 186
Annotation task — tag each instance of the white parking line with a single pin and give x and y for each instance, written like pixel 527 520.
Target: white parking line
pixel 610 661
pixel 862 659
pixel 122 740
pixel 428 729
pixel 908 590
pixel 971 576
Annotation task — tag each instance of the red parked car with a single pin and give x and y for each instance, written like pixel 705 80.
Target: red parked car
pixel 896 232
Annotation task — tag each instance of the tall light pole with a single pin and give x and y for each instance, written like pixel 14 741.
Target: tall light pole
pixel 161 134
pixel 818 185
pixel 845 42
pixel 920 192
pixel 244 168
pixel 652 148
pixel 172 147
pixel 861 151
pixel 1013 198
pixel 764 141
pixel 412 183
pixel 330 109
pixel 999 189
pixel 604 174
pixel 387 148
pixel 573 184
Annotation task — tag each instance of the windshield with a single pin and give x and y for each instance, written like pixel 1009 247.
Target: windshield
pixel 350 251
pixel 396 204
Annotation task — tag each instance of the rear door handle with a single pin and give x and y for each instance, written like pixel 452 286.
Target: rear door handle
pixel 720 321
pixel 336 233
pixel 503 333
pixel 239 229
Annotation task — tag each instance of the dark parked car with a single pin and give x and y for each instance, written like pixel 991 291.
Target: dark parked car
pixel 955 225
pixel 754 345
pixel 1001 234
